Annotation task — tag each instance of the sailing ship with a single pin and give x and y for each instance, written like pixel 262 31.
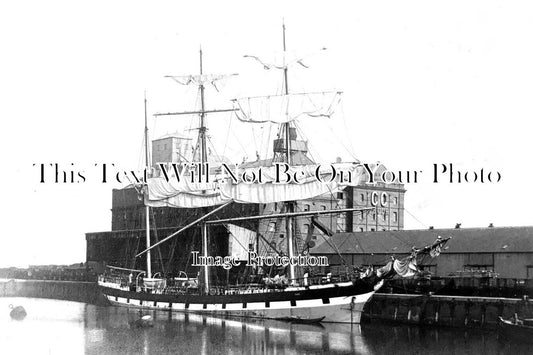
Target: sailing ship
pixel 292 297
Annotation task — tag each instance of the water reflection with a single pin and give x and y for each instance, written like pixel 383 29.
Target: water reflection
pixel 59 327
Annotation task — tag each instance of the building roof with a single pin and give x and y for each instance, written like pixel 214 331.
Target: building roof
pixel 171 135
pixel 464 240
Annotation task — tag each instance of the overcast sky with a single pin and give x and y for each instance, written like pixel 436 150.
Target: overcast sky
pixel 423 83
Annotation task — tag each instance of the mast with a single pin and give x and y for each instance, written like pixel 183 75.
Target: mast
pixel 202 145
pixel 203 129
pixel 285 66
pixel 203 160
pixel 289 220
pixel 147 209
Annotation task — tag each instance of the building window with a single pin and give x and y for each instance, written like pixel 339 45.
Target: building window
pixel 373 216
pixel 281 236
pixel 306 207
pixel 361 229
pixel 479 267
pixel 306 228
pixel 362 215
pixel 340 195
pixel 384 216
pixel 395 200
pixel 272 226
pixel 323 208
pixel 362 197
pixel 313 237
pixel 395 216
pixel 372 230
pixel 530 272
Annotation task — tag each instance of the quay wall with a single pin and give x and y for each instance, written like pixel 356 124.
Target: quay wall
pixel 435 310
pixel 77 291
pixel 453 311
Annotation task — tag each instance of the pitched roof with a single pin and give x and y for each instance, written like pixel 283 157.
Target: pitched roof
pixel 172 135
pixel 464 240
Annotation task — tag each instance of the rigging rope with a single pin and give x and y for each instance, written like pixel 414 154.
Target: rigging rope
pixel 227 135
pixel 425 226
pixel 352 150
pixel 152 217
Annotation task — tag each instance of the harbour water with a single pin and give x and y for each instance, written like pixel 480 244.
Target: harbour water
pixel 63 327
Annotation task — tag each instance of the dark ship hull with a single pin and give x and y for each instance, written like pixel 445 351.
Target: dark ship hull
pixel 335 302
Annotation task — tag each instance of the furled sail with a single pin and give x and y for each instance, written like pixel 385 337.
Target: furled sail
pixel 284 60
pixel 168 192
pixel 286 108
pixel 408 267
pixel 201 79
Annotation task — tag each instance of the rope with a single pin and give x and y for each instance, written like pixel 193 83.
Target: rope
pixel 352 151
pixel 227 135
pixel 406 210
pixel 152 217
pixel 234 237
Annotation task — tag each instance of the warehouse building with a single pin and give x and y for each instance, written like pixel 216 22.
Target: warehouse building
pixel 507 251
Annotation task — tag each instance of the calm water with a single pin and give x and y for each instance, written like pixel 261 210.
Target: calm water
pixel 60 327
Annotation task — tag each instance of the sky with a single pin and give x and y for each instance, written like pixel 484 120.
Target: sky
pixel 423 83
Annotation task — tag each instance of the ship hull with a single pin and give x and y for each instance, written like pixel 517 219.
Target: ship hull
pixel 337 303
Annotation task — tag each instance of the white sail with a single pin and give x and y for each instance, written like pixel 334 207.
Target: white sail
pixel 200 79
pixel 171 193
pixel 284 60
pixel 241 240
pixel 286 108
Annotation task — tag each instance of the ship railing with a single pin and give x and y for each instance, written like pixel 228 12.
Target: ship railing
pixel 113 281
pixel 252 288
pixel 184 285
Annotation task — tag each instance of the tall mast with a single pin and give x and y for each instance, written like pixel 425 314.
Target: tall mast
pixel 289 220
pixel 287 124
pixel 147 209
pixel 203 160
pixel 285 66
pixel 202 145
pixel 202 130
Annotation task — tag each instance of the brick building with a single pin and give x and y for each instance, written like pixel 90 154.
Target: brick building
pixel 126 238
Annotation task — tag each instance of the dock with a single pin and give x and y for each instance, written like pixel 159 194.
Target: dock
pixel 444 310
pixel 77 291
pixel 415 309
